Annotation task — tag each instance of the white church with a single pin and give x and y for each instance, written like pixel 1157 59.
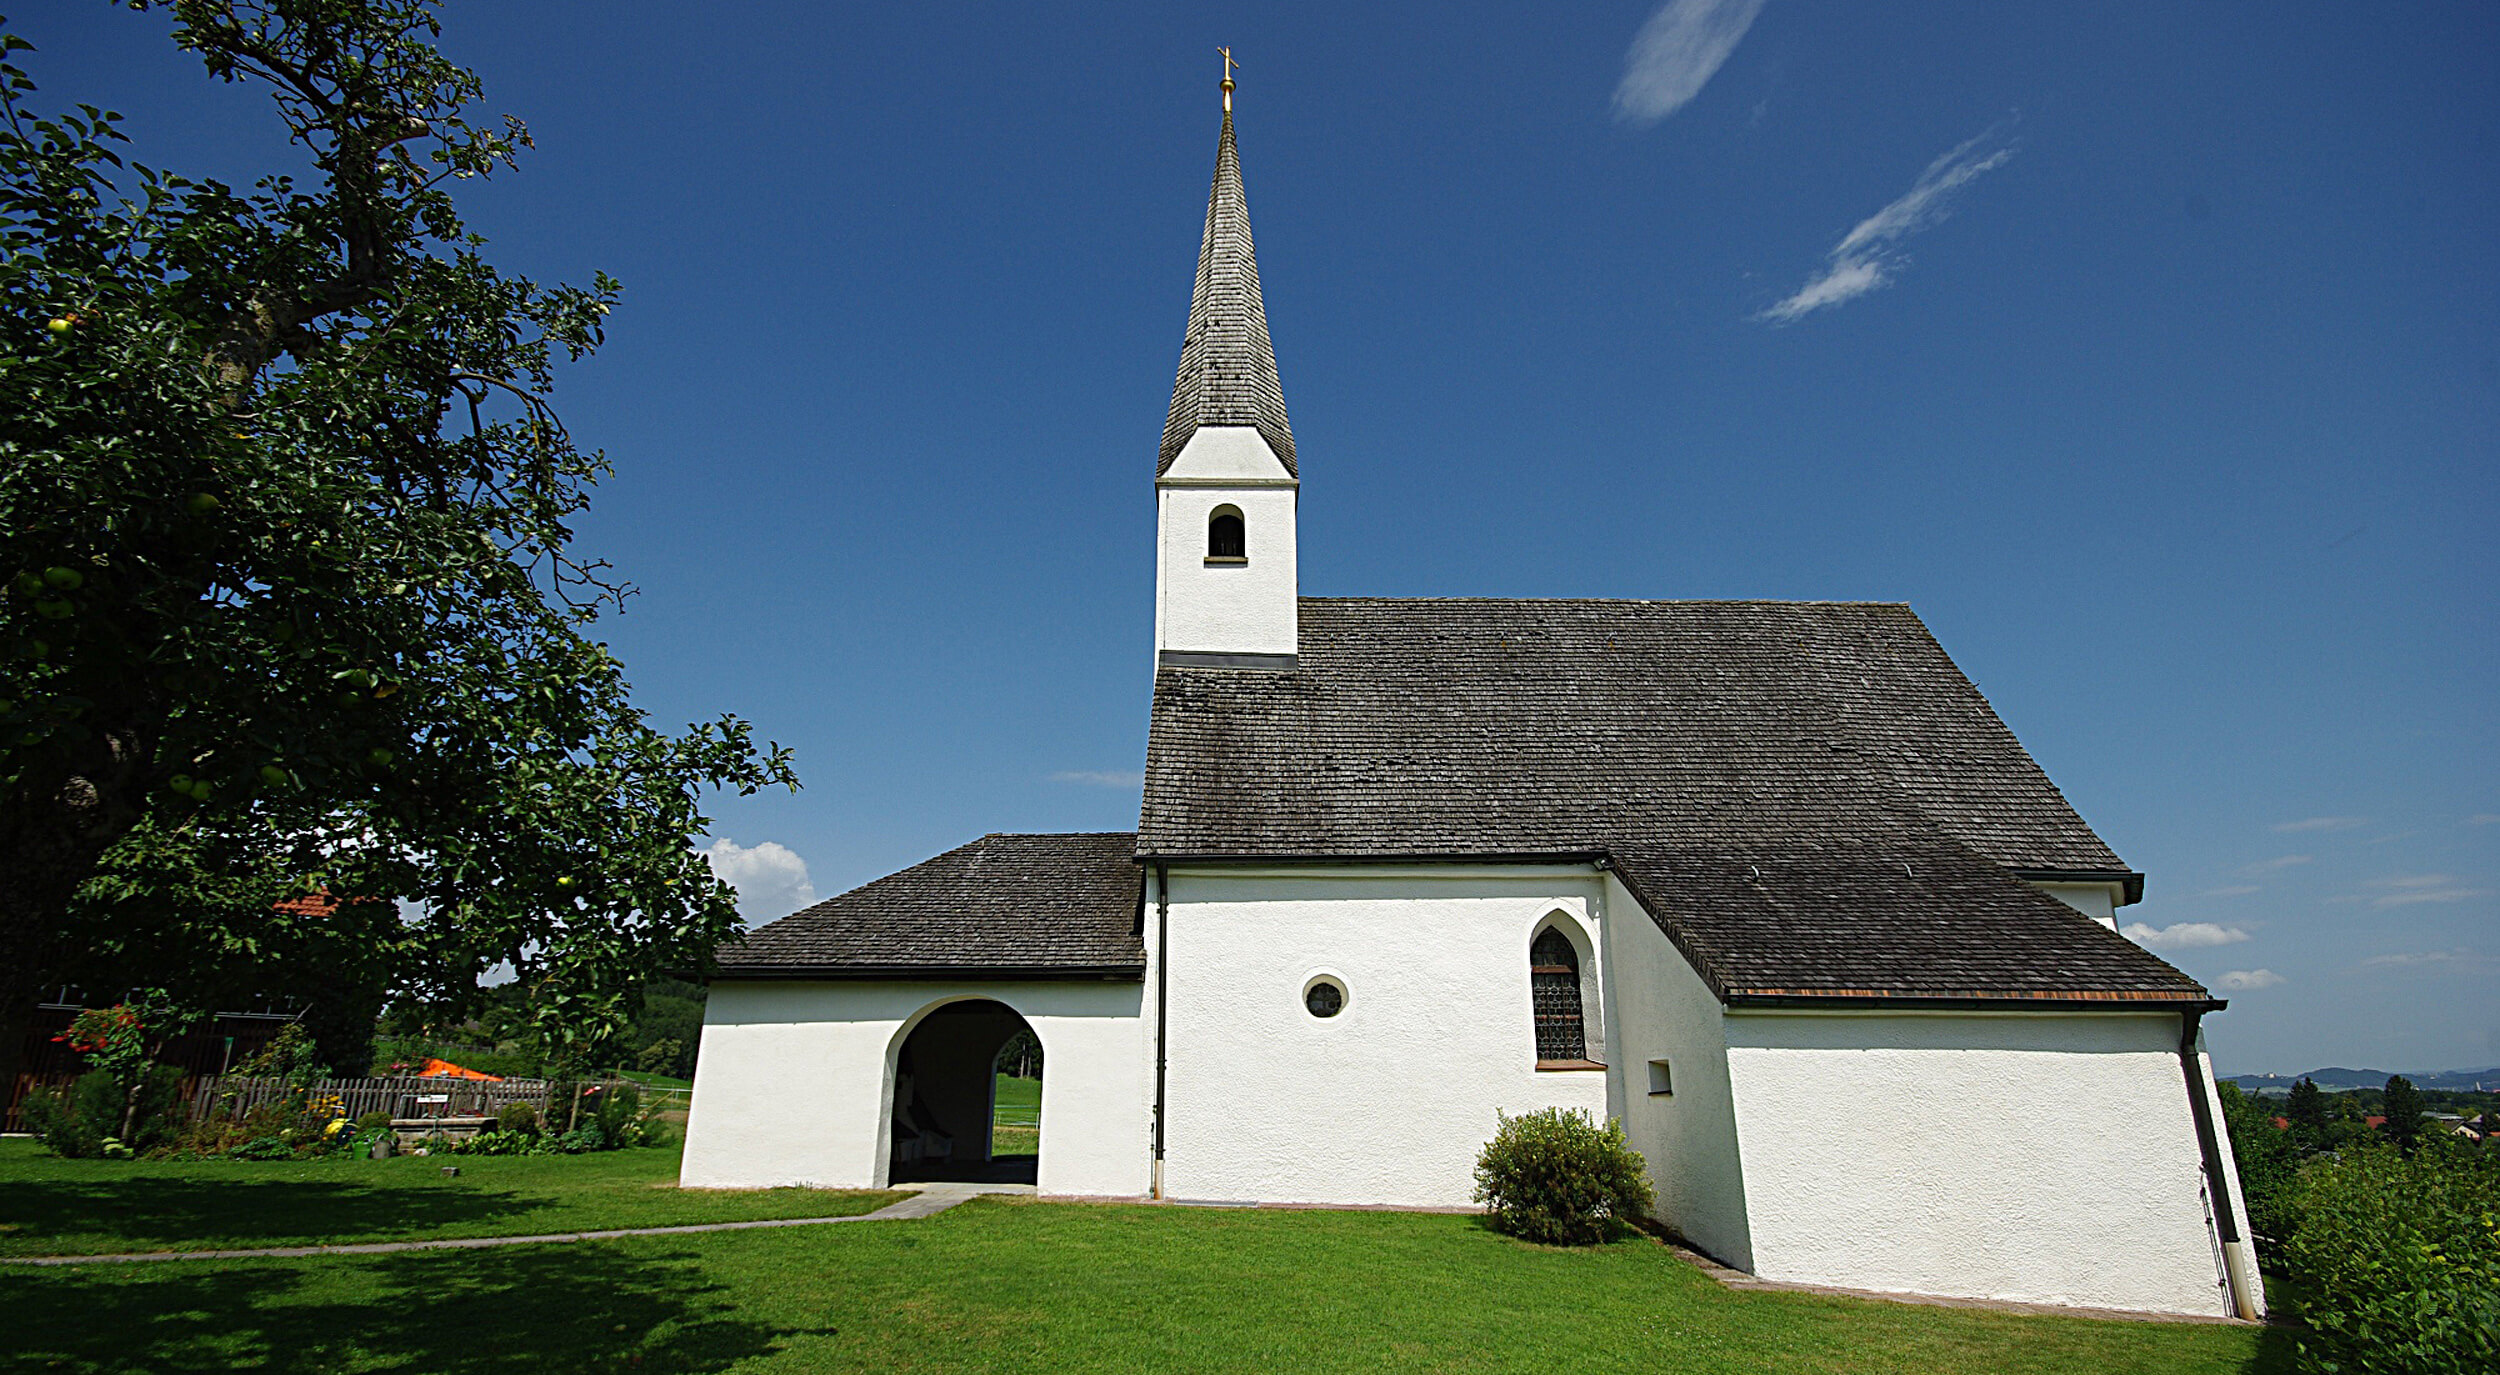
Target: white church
pixel 1769 882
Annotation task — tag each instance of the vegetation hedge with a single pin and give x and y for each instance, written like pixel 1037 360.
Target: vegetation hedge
pixel 2399 1255
pixel 83 1120
pixel 1557 1177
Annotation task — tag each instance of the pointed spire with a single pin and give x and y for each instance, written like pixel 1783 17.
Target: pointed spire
pixel 1228 369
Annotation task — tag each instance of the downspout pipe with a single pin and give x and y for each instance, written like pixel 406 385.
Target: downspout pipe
pixel 2239 1272
pixel 1163 986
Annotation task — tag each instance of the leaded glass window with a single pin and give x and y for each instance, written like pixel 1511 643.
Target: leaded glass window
pixel 1554 985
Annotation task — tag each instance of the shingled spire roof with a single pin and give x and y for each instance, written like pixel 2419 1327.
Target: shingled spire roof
pixel 1228 369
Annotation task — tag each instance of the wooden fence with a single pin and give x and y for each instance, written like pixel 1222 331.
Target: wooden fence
pixel 233 1096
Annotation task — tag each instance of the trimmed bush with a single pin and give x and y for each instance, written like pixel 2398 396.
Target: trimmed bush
pixel 518 1118
pixel 374 1121
pixel 2401 1259
pixel 1557 1177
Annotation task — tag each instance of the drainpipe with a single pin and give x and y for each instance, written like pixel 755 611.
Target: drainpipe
pixel 1163 983
pixel 2237 1271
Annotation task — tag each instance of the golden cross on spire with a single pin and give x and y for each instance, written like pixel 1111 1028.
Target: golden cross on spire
pixel 1229 64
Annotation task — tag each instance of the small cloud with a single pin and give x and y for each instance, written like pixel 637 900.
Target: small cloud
pixel 1869 256
pixel 771 879
pixel 2483 819
pixel 1100 778
pixel 2186 935
pixel 2247 980
pixel 2268 866
pixel 1676 53
pixel 2424 888
pixel 2323 823
pixel 2231 890
pixel 2469 961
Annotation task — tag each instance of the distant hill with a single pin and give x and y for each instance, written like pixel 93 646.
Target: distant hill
pixel 2337 1077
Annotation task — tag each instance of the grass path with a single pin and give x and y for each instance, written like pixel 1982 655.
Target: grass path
pixel 998 1285
pixel 50 1206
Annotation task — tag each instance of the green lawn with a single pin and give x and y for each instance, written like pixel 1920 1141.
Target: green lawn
pixel 50 1206
pixel 1000 1285
pixel 1016 1122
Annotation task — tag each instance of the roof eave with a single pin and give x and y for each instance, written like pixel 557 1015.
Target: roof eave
pixel 928 973
pixel 2130 883
pixel 2072 1000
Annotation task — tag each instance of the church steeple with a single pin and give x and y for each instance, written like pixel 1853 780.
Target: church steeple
pixel 1226 589
pixel 1228 368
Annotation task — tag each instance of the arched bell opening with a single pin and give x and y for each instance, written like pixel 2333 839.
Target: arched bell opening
pixel 967 1097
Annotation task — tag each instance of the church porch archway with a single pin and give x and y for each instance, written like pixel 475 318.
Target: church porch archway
pixel 953 1115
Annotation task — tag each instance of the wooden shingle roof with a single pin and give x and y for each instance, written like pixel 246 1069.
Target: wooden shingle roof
pixel 1227 372
pixel 1810 797
pixel 1003 906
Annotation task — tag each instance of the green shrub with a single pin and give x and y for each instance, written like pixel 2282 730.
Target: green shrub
pixel 1559 1178
pixel 520 1118
pixel 80 1120
pixel 263 1148
pixel 2269 1161
pixel 583 1138
pixel 374 1121
pixel 2401 1260
pixel 495 1141
pixel 620 1111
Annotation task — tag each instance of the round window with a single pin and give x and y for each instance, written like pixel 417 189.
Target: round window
pixel 1325 997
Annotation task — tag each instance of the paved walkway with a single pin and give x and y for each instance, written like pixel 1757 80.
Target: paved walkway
pixel 928 1201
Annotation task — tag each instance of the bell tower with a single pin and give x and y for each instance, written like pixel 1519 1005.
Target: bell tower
pixel 1225 483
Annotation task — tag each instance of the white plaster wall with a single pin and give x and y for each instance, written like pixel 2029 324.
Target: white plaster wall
pixel 1389 1101
pixel 1226 453
pixel 1243 608
pixel 2033 1157
pixel 1661 1010
pixel 2099 901
pixel 794 1082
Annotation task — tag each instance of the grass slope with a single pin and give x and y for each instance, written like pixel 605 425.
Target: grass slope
pixel 50 1206
pixel 1021 1286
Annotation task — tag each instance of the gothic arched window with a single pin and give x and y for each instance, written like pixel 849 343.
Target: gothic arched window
pixel 1226 539
pixel 1554 986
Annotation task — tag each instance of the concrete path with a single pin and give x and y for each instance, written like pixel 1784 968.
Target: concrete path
pixel 927 1201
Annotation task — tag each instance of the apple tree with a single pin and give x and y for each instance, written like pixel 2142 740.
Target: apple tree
pixel 288 600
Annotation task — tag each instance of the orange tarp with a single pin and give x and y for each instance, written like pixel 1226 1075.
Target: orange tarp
pixel 445 1069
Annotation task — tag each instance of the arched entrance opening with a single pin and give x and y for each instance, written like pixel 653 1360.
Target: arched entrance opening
pixel 967 1097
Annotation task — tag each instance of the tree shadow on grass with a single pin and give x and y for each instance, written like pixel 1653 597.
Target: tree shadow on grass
pixel 174 1214
pixel 523 1308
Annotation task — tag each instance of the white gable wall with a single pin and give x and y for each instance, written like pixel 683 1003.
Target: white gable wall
pixel 2099 901
pixel 2032 1157
pixel 795 1082
pixel 1661 1010
pixel 1389 1101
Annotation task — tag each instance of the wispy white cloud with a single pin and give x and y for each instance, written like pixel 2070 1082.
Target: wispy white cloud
pixel 2247 980
pixel 1676 53
pixel 2268 866
pixel 1869 256
pixel 2483 819
pixel 771 879
pixel 2469 961
pixel 2408 889
pixel 2185 935
pixel 1100 778
pixel 2231 890
pixel 2323 823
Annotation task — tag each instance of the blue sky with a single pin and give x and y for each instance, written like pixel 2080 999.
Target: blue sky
pixel 2148 350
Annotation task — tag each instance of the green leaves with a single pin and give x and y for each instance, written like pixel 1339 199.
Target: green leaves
pixel 285 521
pixel 1556 1177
